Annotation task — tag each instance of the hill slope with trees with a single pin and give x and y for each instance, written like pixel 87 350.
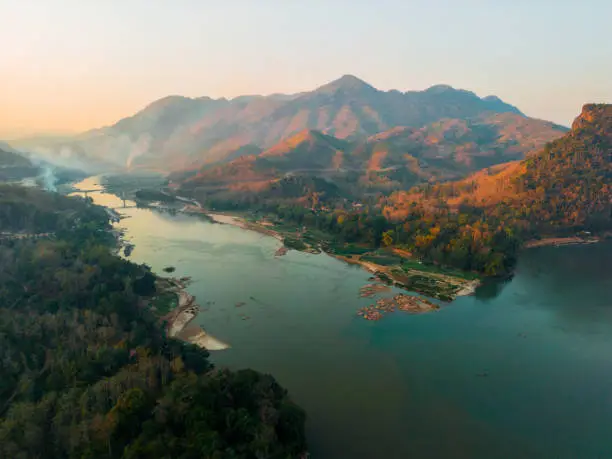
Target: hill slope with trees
pixel 480 223
pixel 87 371
pixel 397 159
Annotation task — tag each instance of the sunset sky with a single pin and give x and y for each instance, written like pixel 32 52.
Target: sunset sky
pixel 71 65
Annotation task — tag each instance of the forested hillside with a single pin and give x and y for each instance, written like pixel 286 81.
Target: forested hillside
pixel 565 187
pixel 480 223
pixel 86 369
pixel 397 159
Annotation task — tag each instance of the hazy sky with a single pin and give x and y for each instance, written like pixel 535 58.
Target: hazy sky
pixel 76 64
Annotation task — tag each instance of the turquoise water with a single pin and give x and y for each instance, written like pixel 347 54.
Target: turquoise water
pixel 521 370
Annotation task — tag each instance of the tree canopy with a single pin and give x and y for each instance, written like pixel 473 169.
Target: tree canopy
pixel 86 368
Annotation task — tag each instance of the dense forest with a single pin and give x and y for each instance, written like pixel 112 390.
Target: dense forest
pixel 86 369
pixel 477 224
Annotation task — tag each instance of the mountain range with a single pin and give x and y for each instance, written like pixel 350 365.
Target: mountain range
pixel 396 159
pixel 180 133
pixel 566 186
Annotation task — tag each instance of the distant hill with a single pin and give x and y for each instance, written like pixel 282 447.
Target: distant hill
pixel 10 158
pixel 14 166
pixel 392 160
pixel 566 186
pixel 452 148
pixel 477 224
pixel 183 133
pixel 304 158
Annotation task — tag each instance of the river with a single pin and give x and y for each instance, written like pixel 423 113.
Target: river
pixel 520 370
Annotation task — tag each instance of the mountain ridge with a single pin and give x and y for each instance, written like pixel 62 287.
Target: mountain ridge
pixel 392 160
pixel 177 132
pixel 567 184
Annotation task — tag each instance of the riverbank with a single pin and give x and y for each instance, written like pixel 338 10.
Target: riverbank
pixel 243 223
pixel 303 321
pixel 403 271
pixel 560 241
pixel 428 281
pixel 178 320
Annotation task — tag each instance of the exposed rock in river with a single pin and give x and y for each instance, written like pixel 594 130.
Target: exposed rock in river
pixel 372 289
pixel 406 303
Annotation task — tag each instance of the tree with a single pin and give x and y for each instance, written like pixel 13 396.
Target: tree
pixel 387 238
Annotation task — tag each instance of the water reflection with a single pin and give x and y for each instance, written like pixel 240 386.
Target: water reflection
pixel 491 289
pixel 407 386
pixel 572 283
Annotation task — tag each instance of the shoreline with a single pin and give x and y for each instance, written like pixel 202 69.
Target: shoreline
pixel 444 287
pixel 241 222
pixel 457 285
pixel 463 287
pixel 178 321
pixel 560 241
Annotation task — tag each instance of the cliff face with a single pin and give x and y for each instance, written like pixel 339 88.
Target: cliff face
pixel 595 116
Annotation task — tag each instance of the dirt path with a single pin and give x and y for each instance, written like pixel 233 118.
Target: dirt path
pixel 242 223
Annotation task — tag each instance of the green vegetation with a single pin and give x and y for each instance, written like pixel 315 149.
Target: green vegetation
pixel 142 187
pixel 563 190
pixel 414 265
pixel 427 285
pixel 348 249
pixel 164 302
pixel 153 195
pixel 294 244
pixel 86 369
pixel 465 227
pixel 382 259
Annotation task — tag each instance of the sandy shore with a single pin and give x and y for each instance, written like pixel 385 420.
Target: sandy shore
pixel 194 334
pixel 368 266
pixel 468 289
pixel 242 223
pixel 227 219
pixel 557 241
pixel 179 320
